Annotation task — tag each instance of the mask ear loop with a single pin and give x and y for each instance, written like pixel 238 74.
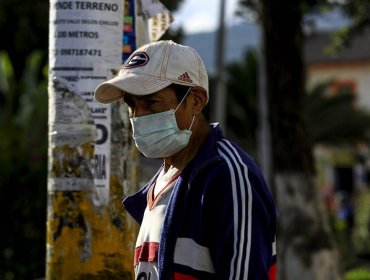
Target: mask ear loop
pixel 182 100
pixel 191 125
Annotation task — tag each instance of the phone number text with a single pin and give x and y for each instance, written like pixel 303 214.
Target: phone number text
pixel 78 52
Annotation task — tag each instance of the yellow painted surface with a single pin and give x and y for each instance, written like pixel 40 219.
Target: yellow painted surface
pixel 64 159
pixel 86 242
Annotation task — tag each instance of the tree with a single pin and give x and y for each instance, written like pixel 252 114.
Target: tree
pixel 24 24
pixel 307 250
pixel 327 116
pixel 305 246
pixel 242 103
pixel 23 122
pixel 359 13
pixel 326 113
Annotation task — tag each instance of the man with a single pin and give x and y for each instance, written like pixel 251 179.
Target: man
pixel 207 213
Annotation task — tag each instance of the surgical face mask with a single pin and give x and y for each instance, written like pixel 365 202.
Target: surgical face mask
pixel 158 136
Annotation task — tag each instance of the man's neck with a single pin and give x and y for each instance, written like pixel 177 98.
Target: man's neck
pixel 182 158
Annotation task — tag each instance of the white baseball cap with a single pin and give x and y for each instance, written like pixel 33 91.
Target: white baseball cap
pixel 153 67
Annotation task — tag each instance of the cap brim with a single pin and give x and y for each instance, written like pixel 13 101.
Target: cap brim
pixel 133 83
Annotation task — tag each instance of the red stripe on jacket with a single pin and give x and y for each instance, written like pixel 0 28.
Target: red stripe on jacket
pixel 180 276
pixel 272 272
pixel 147 252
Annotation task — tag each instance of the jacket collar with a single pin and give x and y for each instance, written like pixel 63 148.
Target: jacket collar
pixel 207 153
pixel 135 204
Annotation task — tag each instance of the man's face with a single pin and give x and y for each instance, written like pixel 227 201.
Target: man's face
pixel 158 102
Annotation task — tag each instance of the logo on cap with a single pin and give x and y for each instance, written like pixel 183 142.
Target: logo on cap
pixel 185 78
pixel 138 59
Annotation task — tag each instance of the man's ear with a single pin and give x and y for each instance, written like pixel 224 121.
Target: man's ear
pixel 200 99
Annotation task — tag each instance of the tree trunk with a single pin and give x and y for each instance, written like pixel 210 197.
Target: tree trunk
pixel 306 249
pixel 305 246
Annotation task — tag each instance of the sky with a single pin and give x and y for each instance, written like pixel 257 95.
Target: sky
pixel 197 16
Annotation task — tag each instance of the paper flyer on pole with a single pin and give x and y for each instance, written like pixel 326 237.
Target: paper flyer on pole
pixel 85 42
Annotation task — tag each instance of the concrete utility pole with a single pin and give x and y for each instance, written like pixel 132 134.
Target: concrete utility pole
pixel 92 164
pixel 219 108
pixel 264 134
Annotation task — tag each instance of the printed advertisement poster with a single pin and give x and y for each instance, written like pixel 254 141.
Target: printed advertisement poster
pixel 85 42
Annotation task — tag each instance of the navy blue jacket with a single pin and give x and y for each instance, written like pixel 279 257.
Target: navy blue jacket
pixel 220 222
